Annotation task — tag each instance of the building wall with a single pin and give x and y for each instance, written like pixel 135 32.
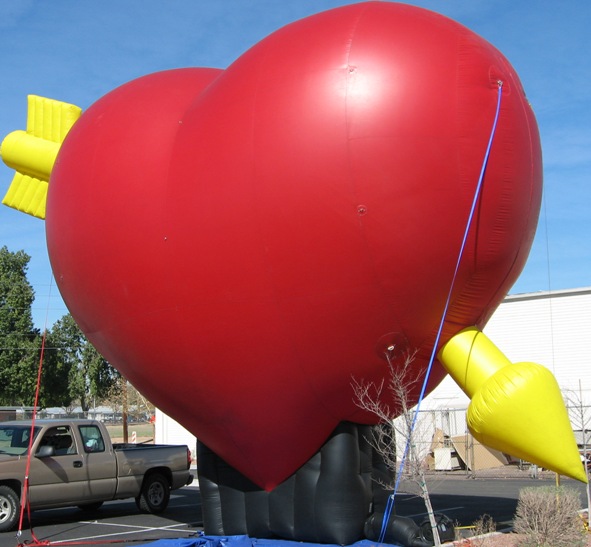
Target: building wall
pixel 553 329
pixel 168 431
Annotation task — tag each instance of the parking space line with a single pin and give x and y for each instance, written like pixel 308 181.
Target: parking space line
pixel 138 529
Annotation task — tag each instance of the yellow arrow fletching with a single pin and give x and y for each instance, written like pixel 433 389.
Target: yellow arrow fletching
pixel 32 153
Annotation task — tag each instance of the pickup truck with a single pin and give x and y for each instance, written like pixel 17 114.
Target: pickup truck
pixel 74 463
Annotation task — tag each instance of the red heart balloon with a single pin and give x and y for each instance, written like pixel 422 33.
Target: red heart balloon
pixel 241 243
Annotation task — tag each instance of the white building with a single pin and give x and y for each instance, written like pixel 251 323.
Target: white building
pixel 168 431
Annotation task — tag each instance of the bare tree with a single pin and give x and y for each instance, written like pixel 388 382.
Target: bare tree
pixel 398 387
pixel 580 418
pixel 125 399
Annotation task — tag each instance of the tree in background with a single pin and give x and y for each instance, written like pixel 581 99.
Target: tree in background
pixel 72 371
pixel 123 398
pixel 89 376
pixel 19 341
pixel 580 419
pixel 127 401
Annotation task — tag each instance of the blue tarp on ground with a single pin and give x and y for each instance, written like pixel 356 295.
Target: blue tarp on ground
pixel 244 541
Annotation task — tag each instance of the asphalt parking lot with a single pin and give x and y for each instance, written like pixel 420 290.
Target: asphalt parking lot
pixel 115 521
pixel 462 498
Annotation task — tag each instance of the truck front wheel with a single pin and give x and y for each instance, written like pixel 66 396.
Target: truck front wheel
pixel 154 495
pixel 9 508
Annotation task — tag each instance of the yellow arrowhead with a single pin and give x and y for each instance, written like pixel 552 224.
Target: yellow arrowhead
pixel 515 408
pixel 520 411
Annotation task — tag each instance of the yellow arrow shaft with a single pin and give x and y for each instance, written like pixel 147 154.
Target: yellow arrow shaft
pixel 29 154
pixel 471 358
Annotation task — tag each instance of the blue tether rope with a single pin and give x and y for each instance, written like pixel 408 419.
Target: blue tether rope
pixel 390 503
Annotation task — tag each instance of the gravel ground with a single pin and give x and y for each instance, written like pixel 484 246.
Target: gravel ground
pixel 497 540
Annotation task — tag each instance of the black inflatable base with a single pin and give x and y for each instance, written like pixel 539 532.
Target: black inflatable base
pixel 327 500
pixel 334 498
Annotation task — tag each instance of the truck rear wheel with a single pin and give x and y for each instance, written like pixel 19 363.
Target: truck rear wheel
pixel 154 495
pixel 9 508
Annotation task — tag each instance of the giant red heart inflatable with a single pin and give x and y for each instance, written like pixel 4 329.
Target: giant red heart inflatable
pixel 241 243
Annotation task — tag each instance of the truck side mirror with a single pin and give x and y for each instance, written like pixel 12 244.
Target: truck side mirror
pixel 45 451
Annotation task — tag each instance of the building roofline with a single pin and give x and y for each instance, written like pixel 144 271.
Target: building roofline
pixel 547 294
pixel 25 408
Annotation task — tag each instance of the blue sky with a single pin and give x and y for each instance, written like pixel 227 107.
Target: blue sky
pixel 77 51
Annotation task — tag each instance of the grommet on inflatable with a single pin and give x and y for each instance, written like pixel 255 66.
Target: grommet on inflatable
pixel 240 243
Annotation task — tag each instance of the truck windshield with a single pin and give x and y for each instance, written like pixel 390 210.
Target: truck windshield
pixel 14 439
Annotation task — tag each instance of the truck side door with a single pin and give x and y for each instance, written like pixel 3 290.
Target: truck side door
pixel 101 465
pixel 62 477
